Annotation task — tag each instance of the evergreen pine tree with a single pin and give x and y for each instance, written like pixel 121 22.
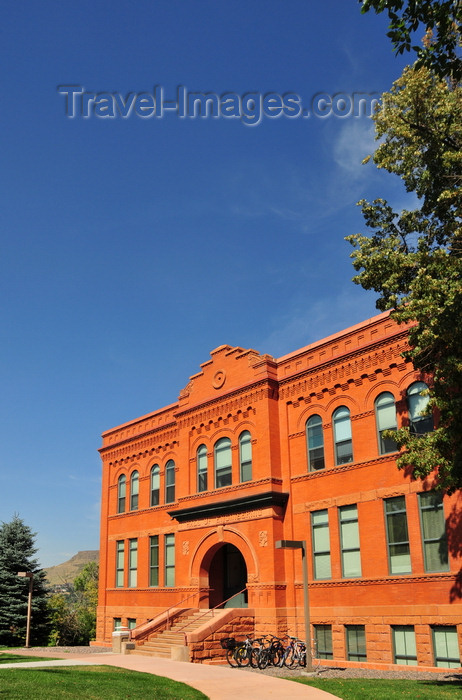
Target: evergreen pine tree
pixel 17 553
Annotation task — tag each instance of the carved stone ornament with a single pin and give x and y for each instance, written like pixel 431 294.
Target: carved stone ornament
pixel 186 547
pixel 263 538
pixel 219 379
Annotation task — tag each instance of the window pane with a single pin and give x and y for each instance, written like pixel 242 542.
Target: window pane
pixel 245 456
pixel 134 490
pixel 323 641
pixel 385 411
pixel 404 645
pixel 121 490
pixel 342 424
pixel 397 535
pixel 154 560
pixel 315 441
pixel 132 563
pixel 349 539
pixel 351 564
pixel 434 536
pixel 222 454
pixel 356 642
pixel 120 563
pixel 169 563
pixel 344 452
pixel 170 481
pixel 321 540
pixel 202 468
pixel 446 647
pixel 321 544
pixel 155 485
pixel 420 423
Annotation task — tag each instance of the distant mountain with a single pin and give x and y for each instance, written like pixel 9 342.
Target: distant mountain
pixel 66 572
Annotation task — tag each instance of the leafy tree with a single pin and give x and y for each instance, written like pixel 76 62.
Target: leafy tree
pixel 73 614
pixel 441 19
pixel 413 259
pixel 17 553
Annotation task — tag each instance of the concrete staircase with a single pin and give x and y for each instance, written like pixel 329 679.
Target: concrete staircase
pixel 160 644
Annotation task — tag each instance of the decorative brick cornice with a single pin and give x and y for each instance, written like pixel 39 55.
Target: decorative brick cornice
pixel 147 439
pixel 343 371
pixel 227 404
pixel 383 580
pixel 267 481
pixel 351 466
pixel 214 509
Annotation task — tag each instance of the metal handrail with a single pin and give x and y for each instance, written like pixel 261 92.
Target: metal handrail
pixel 201 590
pixel 206 612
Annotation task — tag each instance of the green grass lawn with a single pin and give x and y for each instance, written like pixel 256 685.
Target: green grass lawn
pixel 91 683
pixel 7 658
pixel 368 689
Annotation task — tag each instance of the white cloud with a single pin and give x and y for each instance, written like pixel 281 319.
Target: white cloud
pixel 354 142
pixel 318 319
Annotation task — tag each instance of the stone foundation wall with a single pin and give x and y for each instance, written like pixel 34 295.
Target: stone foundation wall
pixel 210 650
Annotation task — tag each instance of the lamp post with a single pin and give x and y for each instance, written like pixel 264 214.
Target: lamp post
pixel 30 576
pixel 301 544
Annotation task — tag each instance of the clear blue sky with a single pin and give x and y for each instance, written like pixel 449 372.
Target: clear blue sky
pixel 130 248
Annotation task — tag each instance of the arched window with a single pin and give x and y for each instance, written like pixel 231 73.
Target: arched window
pixel 342 436
pixel 201 460
pixel 170 481
pixel 134 490
pixel 121 491
pixel 245 456
pixel 417 404
pixel 155 485
pixel 222 454
pixel 315 443
pixel 385 418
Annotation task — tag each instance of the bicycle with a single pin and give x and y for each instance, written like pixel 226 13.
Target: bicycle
pixel 294 654
pixel 237 653
pixel 271 653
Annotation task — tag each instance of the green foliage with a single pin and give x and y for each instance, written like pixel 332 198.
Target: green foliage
pixel 95 682
pixel 413 258
pixel 384 689
pixel 6 658
pixel 441 19
pixel 73 614
pixel 17 553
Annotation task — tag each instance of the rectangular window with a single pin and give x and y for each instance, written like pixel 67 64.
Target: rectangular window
pixel 397 535
pixel 321 544
pixel 446 647
pixel 154 560
pixel 169 560
pixel 356 642
pixel 323 641
pixel 349 540
pixel 404 648
pixel 131 623
pixel 120 556
pixel 132 563
pixel 116 623
pixel 433 527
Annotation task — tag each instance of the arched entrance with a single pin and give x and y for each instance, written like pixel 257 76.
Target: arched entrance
pixel 228 576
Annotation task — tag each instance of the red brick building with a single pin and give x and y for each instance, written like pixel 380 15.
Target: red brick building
pixel 258 449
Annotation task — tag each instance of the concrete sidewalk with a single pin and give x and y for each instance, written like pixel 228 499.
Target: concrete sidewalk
pixel 217 682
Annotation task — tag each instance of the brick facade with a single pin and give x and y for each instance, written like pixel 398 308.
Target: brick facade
pixel 215 479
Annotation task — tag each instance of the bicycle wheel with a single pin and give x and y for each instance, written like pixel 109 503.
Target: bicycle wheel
pixel 290 659
pixel 263 659
pixel 254 656
pixel 231 658
pixel 276 656
pixel 242 656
